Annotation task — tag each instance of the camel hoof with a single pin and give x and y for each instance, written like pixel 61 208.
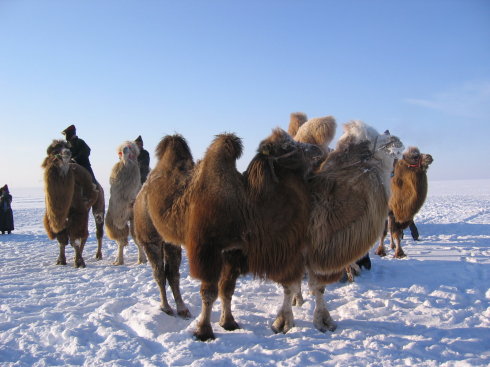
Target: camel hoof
pixel 167 310
pixel 282 324
pixel 204 333
pixel 118 263
pixel 229 325
pixel 185 314
pixel 399 255
pixel 61 262
pixel 380 252
pixel 98 256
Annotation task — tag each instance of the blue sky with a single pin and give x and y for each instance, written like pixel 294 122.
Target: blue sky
pixel 119 69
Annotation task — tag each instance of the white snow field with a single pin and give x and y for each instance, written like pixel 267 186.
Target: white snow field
pixel 428 309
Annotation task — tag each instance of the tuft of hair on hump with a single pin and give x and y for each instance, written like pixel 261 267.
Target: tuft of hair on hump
pixel 319 131
pixel 175 141
pixel 358 131
pixel 229 143
pixel 296 119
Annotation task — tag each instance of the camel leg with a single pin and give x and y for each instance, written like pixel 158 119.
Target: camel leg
pixel 62 241
pixel 99 233
pixel 380 251
pixel 298 299
pixel 233 260
pixel 398 248
pixel 173 258
pixel 209 294
pixel 78 247
pixel 285 318
pixel 121 243
pixel 155 256
pixel 141 253
pixel 321 317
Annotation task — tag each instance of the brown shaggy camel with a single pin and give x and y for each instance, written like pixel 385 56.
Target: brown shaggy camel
pixel 125 184
pixel 350 193
pixel 228 221
pixel 408 194
pixel 69 195
pixel 170 177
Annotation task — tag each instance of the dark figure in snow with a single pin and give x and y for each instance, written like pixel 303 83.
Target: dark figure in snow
pixel 143 160
pixel 80 151
pixel 6 215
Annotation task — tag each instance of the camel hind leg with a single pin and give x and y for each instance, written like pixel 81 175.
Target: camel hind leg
pixel 173 258
pixel 121 244
pixel 155 253
pixel 98 211
pixel 99 233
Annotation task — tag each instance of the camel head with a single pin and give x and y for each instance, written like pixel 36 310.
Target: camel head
pixel 414 158
pixel 381 145
pixel 59 154
pixel 281 150
pixel 128 151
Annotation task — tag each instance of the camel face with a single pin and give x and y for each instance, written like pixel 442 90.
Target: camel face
pixel 128 151
pixel 416 159
pixel 390 145
pixel 59 153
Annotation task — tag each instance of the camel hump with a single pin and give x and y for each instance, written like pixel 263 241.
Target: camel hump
pixel 227 146
pixel 296 119
pixel 176 143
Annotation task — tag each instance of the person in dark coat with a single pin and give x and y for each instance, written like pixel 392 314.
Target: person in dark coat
pixel 80 151
pixel 6 215
pixel 143 159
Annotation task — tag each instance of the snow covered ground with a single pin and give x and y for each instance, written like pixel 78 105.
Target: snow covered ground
pixel 429 309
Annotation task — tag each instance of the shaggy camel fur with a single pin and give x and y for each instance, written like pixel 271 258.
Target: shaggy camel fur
pixel 240 212
pixel 295 121
pixel 408 194
pixel 350 194
pixel 69 194
pixel 170 177
pixel 125 183
pixel 228 221
pixel 319 131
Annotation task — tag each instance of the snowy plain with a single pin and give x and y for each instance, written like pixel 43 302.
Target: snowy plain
pixel 430 309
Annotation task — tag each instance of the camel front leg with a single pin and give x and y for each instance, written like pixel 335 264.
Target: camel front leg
pixel 173 258
pixel 321 317
pixel 121 244
pixel 209 294
pixel 285 318
pixel 155 251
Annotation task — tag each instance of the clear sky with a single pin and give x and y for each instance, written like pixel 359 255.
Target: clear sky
pixel 119 69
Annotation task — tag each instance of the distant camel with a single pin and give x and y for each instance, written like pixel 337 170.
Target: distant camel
pixel 408 193
pixel 69 193
pixel 125 183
